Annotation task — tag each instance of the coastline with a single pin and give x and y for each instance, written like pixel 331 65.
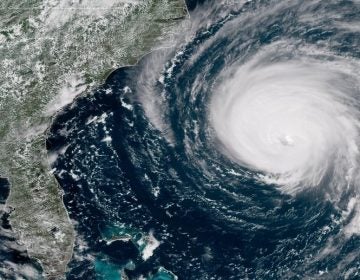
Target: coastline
pixel 38 149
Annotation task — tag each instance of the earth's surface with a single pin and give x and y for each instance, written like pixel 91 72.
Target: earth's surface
pixel 230 150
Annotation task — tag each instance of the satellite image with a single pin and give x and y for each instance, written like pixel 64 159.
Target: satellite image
pixel 180 140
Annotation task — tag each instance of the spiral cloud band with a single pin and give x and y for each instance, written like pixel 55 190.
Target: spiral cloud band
pixel 236 152
pixel 295 120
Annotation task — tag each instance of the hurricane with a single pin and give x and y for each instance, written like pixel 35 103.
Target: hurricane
pixel 231 154
pixel 295 120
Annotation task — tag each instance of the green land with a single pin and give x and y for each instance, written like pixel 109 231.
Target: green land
pixel 50 52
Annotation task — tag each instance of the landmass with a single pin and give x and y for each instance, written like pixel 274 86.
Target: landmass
pixel 52 51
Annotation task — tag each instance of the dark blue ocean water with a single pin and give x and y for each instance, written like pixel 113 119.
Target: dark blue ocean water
pixel 126 180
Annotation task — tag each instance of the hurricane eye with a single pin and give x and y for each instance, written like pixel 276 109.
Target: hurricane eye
pixel 230 151
pixel 287 140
